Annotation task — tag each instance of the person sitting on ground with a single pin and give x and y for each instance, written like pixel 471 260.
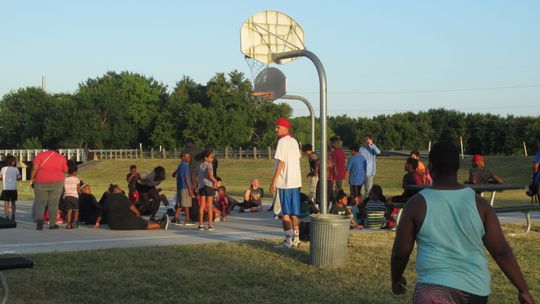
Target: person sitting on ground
pixel 410 178
pixel 341 208
pixel 149 198
pixel 132 178
pixel 451 226
pixel 421 168
pixel 123 215
pixel 252 197
pixel 479 174
pixel 89 208
pixel 221 203
pixel 375 209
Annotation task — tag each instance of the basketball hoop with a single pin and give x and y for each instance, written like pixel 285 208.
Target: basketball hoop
pixel 265 34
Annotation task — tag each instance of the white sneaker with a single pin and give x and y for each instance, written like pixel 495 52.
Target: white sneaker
pixel 284 245
pixel 296 243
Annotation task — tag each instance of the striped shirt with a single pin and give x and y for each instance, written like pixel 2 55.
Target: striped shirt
pixel 70 186
pixel 375 211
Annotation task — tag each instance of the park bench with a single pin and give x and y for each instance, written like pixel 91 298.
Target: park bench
pixel 521 208
pixel 5 223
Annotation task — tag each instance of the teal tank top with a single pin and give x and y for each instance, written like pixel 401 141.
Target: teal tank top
pixel 450 251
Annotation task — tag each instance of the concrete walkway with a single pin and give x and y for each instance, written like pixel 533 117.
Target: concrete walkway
pixel 26 239
pixel 239 226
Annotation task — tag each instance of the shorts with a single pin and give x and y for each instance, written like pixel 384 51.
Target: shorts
pixel 429 293
pixel 206 191
pixel 183 198
pixel 71 203
pixel 356 190
pixel 290 201
pixel 8 195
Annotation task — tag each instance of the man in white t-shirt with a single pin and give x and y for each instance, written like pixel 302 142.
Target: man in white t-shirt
pixel 287 182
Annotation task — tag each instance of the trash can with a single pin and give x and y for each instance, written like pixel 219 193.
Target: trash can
pixel 329 238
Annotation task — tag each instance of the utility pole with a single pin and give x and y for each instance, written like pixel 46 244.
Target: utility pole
pixel 44 83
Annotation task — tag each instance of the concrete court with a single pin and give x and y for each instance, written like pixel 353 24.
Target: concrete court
pixel 239 226
pixel 26 239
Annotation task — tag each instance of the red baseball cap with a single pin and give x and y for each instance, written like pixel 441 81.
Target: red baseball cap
pixel 477 158
pixel 283 122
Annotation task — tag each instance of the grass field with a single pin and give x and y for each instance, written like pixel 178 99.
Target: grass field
pixel 246 272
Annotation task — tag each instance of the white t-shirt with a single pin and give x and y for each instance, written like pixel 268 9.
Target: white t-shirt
pixel 288 151
pixel 9 177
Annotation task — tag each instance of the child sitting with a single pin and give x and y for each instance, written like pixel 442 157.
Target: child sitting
pixel 341 208
pixel 221 203
pixel 375 209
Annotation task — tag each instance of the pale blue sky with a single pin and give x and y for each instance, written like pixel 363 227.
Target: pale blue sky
pixel 381 57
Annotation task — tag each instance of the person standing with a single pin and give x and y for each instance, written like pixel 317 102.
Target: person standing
pixel 132 178
pixel 451 225
pixel 536 168
pixel 206 183
pixel 287 181
pixel 338 158
pixel 9 176
pixel 370 151
pixel 356 166
pixel 47 179
pixel 184 190
pixel 312 176
pixel 72 187
pixel 195 155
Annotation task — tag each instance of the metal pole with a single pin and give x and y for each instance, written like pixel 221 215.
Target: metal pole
pixel 322 94
pixel 311 112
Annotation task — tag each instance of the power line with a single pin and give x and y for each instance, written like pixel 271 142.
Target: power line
pixel 426 91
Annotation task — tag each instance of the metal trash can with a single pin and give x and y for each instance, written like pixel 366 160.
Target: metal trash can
pixel 329 238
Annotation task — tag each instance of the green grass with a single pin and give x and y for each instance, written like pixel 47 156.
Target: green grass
pixel 237 174
pixel 246 272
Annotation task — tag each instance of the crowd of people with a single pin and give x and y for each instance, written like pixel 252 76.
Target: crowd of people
pixel 430 219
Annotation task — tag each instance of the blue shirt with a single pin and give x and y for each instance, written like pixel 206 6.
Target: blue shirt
pixel 356 165
pixel 537 174
pixel 370 153
pixel 181 172
pixel 450 251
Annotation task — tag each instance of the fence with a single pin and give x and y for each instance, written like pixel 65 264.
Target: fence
pixel 239 153
pixel 27 155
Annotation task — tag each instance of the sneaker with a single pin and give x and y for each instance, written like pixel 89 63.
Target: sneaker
pixel 296 243
pixel 60 221
pixel 276 217
pixel 189 224
pixel 201 228
pixel 76 225
pixel 164 222
pixel 175 222
pixel 39 225
pixel 210 228
pixel 217 220
pixel 69 226
pixel 284 245
pixel 54 226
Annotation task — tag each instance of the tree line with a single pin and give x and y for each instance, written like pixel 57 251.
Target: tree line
pixel 124 109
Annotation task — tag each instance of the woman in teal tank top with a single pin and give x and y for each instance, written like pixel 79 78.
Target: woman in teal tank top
pixel 451 226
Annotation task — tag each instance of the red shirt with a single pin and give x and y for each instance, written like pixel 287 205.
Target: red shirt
pixel 338 157
pixel 50 169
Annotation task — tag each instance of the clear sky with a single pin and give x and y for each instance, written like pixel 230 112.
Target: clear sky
pixel 380 57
